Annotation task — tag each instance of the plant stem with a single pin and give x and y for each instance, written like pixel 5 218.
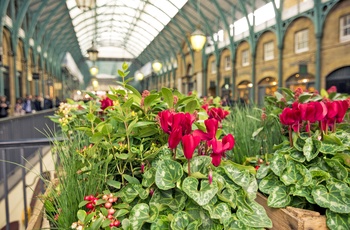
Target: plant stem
pixel 189 167
pixel 174 156
pixel 290 136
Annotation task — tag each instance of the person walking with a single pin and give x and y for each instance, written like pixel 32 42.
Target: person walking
pixel 4 107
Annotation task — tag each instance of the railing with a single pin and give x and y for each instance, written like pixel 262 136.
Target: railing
pixel 24 148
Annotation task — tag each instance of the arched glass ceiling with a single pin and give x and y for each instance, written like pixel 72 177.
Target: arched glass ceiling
pixel 129 26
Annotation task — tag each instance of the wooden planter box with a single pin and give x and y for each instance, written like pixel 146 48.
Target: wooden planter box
pixel 290 218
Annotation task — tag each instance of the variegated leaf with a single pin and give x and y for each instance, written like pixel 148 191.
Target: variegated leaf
pixel 337 221
pixel 204 195
pixel 198 164
pixel 257 219
pixel 297 156
pixel 220 211
pixel 168 173
pixel 139 214
pixel 296 173
pixel 337 169
pixel 270 182
pixel 173 198
pixel 278 197
pixel 180 221
pixel 278 163
pixel 148 177
pixel 262 171
pixel 229 196
pixel 336 196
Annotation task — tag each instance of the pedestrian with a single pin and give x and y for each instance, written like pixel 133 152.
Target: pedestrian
pixel 47 102
pixel 18 110
pixel 4 107
pixel 28 105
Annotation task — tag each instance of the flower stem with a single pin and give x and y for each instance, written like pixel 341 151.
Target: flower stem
pixel 174 156
pixel 290 136
pixel 189 167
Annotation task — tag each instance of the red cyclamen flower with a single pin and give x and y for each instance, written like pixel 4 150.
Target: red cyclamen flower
pixel 106 102
pixel 189 144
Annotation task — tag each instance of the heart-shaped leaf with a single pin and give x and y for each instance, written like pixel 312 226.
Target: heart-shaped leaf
pixel 221 212
pixel 173 198
pixel 278 163
pixel 139 214
pixel 336 196
pixel 229 196
pixel 337 221
pixel 180 221
pixel 168 173
pixel 148 177
pixel 256 218
pixel 198 164
pixel 278 197
pixel 296 173
pixel 204 195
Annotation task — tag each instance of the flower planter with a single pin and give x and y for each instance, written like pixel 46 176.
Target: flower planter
pixel 293 218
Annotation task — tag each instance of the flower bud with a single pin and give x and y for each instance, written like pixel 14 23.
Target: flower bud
pixel 142 167
pixel 151 191
pixel 210 176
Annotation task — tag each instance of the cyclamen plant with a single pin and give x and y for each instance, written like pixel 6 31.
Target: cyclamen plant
pixel 311 169
pixel 158 161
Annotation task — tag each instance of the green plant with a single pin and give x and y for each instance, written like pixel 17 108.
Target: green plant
pixel 310 170
pixel 158 161
pixel 256 132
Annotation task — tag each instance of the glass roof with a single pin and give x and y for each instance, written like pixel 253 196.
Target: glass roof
pixel 123 27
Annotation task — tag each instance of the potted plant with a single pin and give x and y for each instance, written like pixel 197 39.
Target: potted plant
pixel 155 160
pixel 310 168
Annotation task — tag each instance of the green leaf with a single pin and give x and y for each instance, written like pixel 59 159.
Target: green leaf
pixel 297 156
pixel 130 179
pixel 83 203
pixel 337 169
pixel 256 132
pixel 149 100
pixel 135 91
pixel 255 216
pixel 128 193
pixel 168 97
pixel 262 171
pixel 143 193
pixel 336 196
pixel 278 163
pixel 175 199
pixel 97 223
pixel 305 97
pixel 296 173
pixel 90 117
pixel 337 221
pixel 96 138
pixel 204 195
pixel 198 164
pixel 229 196
pixel 168 173
pixel 269 183
pixel 180 221
pixel 81 214
pixel 191 106
pixel 114 184
pixel 149 177
pixel 122 156
pixel 278 197
pixel 121 212
pixel 309 152
pixel 221 211
pixel 139 214
pixel 302 191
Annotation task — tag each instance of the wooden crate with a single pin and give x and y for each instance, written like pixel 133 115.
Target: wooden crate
pixel 290 218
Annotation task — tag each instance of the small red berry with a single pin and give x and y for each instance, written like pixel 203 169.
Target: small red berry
pixel 105 197
pixel 111 211
pixel 111 217
pixel 89 206
pixel 111 200
pixel 108 205
pixel 257 167
pixel 116 223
